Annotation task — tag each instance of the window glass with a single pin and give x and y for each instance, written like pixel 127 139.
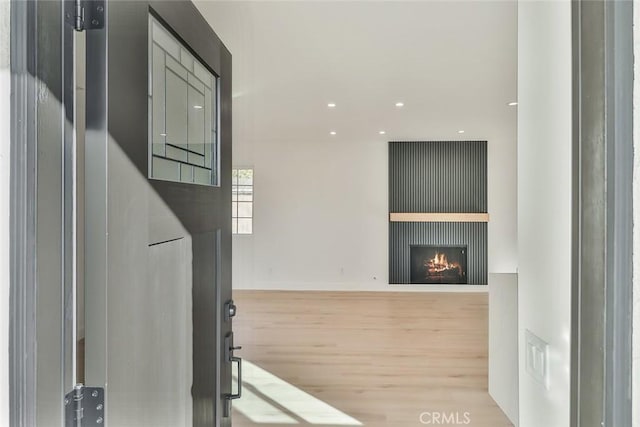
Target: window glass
pixel 182 112
pixel 242 201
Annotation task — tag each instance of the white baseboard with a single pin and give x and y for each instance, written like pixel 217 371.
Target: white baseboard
pixel 355 287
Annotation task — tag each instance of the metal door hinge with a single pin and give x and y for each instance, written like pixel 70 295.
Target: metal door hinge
pixel 84 407
pixel 84 14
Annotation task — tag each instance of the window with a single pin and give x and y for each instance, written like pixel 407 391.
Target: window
pixel 242 201
pixel 182 112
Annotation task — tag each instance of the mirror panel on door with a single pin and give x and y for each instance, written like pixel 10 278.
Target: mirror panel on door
pixel 182 102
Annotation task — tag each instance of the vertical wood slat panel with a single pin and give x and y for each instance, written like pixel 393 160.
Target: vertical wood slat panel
pixel 439 176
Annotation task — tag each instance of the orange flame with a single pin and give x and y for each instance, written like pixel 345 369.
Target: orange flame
pixel 439 264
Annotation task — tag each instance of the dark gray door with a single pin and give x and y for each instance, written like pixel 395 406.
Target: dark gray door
pixel 157 215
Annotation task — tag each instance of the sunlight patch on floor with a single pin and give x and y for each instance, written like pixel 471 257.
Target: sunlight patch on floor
pixel 259 410
pixel 264 392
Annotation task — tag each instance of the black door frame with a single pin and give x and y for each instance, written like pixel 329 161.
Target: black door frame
pixel 22 382
pixel 37 227
pixel 602 213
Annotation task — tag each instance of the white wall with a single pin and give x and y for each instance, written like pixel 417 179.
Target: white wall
pixel 5 99
pixel 321 218
pixel 503 343
pixel 544 203
pixel 636 219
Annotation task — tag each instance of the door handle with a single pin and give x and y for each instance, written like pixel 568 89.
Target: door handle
pixel 237 395
pixel 229 348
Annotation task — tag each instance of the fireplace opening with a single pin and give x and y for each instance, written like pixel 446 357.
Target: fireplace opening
pixel 439 264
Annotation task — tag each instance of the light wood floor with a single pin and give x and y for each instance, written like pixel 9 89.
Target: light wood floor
pixel 381 359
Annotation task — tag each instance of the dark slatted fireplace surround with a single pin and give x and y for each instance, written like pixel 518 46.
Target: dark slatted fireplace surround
pixel 438 212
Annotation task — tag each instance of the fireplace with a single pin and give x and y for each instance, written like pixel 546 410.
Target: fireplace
pixel 438 264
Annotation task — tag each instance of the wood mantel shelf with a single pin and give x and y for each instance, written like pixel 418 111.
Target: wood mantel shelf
pixel 438 217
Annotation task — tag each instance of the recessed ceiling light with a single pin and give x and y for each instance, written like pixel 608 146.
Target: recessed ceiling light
pixel 163 134
pixel 399 104
pixel 333 132
pixel 331 105
pixel 512 104
pixel 198 107
pixel 382 132
pixel 460 131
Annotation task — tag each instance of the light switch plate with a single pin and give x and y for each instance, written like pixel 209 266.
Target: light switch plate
pixel 537 358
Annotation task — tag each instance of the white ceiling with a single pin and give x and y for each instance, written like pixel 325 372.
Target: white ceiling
pixel 452 63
